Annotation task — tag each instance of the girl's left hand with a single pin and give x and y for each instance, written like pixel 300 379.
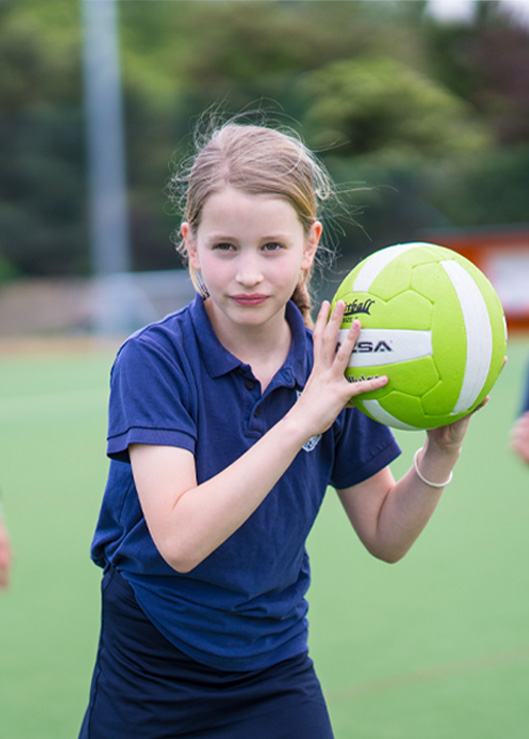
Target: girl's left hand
pixel 452 435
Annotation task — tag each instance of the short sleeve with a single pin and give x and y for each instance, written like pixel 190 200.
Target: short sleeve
pixel 150 400
pixel 363 447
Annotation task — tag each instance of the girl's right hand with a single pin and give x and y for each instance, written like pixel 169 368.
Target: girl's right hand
pixel 328 391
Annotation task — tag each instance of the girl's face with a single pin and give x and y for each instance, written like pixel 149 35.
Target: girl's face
pixel 251 251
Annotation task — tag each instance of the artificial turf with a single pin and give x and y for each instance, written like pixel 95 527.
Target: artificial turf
pixel 435 646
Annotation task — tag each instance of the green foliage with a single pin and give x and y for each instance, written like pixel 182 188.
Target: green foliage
pixel 381 107
pixel 8 271
pixel 39 52
pixel 465 189
pixel 411 109
pixel 42 228
pixel 42 225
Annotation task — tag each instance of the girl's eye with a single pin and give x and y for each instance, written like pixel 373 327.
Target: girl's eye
pixel 272 246
pixel 223 247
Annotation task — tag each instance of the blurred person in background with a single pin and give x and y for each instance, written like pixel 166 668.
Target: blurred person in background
pixel 520 430
pixel 5 553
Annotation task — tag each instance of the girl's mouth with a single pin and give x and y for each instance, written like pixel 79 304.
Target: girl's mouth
pixel 249 300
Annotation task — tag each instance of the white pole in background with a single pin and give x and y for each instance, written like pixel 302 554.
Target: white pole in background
pixel 108 209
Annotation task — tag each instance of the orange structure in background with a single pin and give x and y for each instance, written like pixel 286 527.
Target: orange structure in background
pixel 502 254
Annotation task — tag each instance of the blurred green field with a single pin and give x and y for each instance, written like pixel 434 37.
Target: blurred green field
pixel 433 647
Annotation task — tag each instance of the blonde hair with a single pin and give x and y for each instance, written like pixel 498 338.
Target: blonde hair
pixel 257 160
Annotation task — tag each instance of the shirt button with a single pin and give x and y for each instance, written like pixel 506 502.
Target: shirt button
pixel 257 412
pixel 250 384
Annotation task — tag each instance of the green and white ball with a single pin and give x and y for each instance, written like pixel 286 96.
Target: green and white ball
pixel 433 323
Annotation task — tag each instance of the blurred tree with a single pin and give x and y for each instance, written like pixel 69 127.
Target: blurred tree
pixel 423 121
pixel 500 56
pixel 386 124
pixel 42 229
pixel 42 223
pixel 380 107
pixel 486 63
pixel 481 190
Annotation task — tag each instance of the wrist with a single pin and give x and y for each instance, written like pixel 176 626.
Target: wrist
pixel 425 480
pixel 441 451
pixel 298 428
pixel 434 466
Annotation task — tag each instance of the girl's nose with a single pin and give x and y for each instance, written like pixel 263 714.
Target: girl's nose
pixel 248 273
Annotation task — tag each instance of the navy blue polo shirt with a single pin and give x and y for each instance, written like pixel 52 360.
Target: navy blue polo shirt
pixel 173 383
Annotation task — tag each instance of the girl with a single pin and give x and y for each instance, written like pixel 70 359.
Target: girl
pixel 228 421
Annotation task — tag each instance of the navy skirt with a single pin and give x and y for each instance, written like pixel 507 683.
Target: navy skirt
pixel 145 688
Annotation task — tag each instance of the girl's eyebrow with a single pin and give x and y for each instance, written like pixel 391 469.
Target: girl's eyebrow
pixel 220 237
pixel 272 236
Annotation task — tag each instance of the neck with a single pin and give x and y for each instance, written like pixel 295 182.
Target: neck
pixel 264 348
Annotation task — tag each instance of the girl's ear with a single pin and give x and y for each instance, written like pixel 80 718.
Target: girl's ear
pixel 190 244
pixel 311 245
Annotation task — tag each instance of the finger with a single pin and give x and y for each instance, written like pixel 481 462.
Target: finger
pixel 451 434
pixel 481 405
pixel 336 318
pixel 323 315
pixel 366 386
pixel 346 343
pixel 319 326
pixel 329 336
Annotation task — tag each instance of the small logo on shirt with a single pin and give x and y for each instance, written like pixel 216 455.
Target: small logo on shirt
pixel 313 442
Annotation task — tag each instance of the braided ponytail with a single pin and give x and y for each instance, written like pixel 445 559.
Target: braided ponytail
pixel 302 298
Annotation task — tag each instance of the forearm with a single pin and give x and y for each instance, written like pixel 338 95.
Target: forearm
pixel 410 503
pixel 202 516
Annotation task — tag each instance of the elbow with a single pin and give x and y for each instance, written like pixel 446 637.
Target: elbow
pixel 388 551
pixel 182 548
pixel 183 563
pixel 389 556
pixel 390 559
pixel 180 559
pixel 182 566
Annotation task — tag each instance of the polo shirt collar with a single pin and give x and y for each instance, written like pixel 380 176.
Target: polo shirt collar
pixel 219 361
pixel 216 358
pixel 297 358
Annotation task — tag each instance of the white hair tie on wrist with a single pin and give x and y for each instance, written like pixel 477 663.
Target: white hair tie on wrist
pixel 423 479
